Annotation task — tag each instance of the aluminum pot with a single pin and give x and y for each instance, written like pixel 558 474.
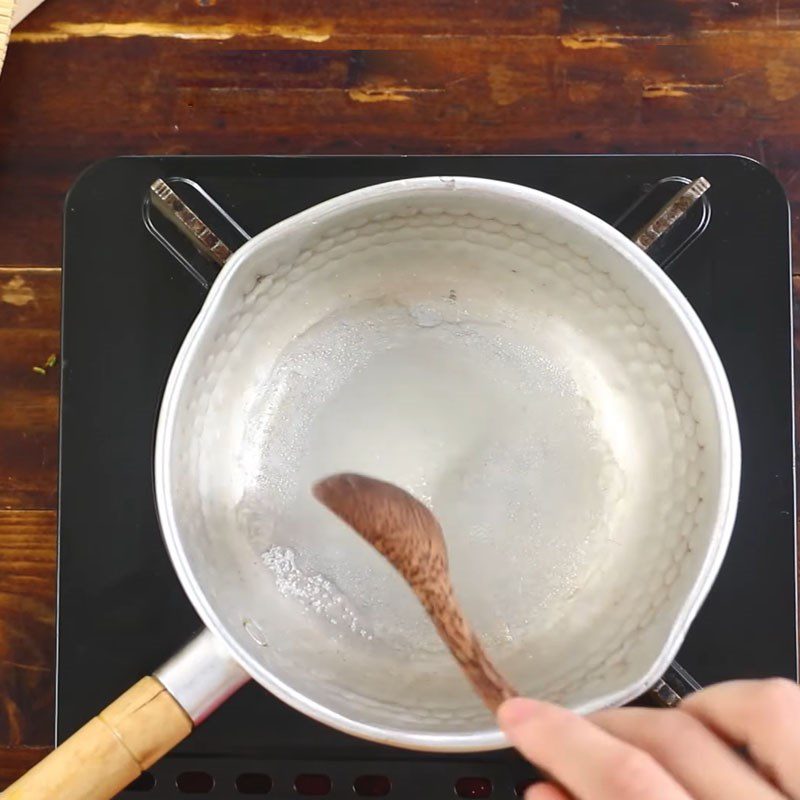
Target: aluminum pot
pixel 511 359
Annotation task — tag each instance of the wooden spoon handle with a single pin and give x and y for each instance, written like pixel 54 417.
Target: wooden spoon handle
pixel 492 687
pixel 459 637
pixel 111 750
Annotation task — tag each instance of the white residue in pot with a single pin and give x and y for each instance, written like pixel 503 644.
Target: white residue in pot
pixel 314 591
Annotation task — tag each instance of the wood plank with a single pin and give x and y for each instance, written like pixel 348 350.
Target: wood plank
pixel 306 20
pixel 27 626
pixel 723 91
pixel 30 316
pixel 743 75
pixel 301 19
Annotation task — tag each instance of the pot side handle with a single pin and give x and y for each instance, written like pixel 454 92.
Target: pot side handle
pixel 137 729
pixel 186 220
pixel 174 221
pixel 673 686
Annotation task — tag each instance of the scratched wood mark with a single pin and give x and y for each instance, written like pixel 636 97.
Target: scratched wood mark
pixel 84 81
pixel 29 336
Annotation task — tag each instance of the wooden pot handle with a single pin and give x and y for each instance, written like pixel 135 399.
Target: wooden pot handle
pixel 110 751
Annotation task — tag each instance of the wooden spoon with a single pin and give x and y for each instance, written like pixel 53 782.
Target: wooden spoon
pixel 406 533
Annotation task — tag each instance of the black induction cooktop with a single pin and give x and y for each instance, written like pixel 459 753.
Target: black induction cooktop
pixel 127 305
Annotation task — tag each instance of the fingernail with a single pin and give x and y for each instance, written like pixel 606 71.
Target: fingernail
pixel 517 711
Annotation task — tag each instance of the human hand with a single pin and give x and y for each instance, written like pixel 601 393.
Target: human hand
pixel 685 753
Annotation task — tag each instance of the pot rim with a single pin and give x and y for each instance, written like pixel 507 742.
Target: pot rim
pixel 491 737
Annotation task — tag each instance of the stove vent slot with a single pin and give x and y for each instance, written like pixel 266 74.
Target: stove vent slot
pixel 372 786
pixel 253 783
pixel 194 782
pixel 472 787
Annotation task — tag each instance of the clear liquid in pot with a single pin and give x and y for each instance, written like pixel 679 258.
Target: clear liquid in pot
pixel 482 422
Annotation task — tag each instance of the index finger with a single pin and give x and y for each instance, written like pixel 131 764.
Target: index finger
pixel 587 761
pixel 763 716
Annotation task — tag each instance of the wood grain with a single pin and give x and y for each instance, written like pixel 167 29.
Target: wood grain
pixel 27 635
pixel 29 335
pixel 83 81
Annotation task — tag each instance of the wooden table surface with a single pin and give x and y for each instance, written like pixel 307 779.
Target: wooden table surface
pixel 84 81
